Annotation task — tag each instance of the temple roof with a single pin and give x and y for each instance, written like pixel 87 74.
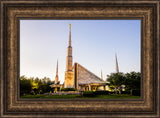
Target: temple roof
pixel 84 76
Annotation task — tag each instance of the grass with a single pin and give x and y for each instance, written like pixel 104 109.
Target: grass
pixel 113 96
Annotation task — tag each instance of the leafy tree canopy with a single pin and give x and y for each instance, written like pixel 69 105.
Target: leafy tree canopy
pixel 130 80
pixel 133 80
pixel 35 85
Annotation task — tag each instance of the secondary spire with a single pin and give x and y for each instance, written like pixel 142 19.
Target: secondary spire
pixel 57 68
pixel 56 77
pixel 117 69
pixel 101 75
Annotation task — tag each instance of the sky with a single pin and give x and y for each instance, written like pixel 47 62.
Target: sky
pixel 94 44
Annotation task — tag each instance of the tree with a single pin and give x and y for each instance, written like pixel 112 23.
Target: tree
pixel 130 80
pixel 35 85
pixel 133 80
pixel 25 85
pixel 46 84
pixel 116 80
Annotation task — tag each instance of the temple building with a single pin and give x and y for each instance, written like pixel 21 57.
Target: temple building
pixel 77 76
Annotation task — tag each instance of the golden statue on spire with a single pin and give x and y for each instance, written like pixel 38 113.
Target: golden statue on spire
pixel 69 25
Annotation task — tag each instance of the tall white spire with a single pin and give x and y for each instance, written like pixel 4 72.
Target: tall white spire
pixel 117 69
pixel 69 43
pixel 69 79
pixel 69 52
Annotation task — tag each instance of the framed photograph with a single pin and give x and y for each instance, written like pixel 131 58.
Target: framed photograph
pixel 79 58
pixel 95 43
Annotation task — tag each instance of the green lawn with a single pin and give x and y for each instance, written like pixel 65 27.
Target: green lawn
pixel 124 96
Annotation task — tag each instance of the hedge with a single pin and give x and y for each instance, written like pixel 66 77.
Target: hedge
pixel 102 92
pixel 94 93
pixel 89 94
pixel 125 92
pixel 68 89
pixel 136 92
pixel 110 92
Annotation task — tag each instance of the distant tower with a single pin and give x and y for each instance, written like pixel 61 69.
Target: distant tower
pixel 69 81
pixel 56 77
pixel 101 75
pixel 117 69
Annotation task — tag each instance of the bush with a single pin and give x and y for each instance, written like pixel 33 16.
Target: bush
pixel 68 89
pixel 102 92
pixel 111 92
pixel 125 92
pixel 136 92
pixel 89 94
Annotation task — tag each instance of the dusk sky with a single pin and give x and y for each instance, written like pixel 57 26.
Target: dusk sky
pixel 94 44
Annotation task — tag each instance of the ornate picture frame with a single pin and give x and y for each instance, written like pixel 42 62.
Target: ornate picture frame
pixel 12 11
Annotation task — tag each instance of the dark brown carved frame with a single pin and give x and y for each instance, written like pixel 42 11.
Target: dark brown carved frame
pixel 14 11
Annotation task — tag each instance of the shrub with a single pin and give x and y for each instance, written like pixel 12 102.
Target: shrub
pixel 110 92
pixel 89 94
pixel 102 92
pixel 125 92
pixel 136 92
pixel 68 89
